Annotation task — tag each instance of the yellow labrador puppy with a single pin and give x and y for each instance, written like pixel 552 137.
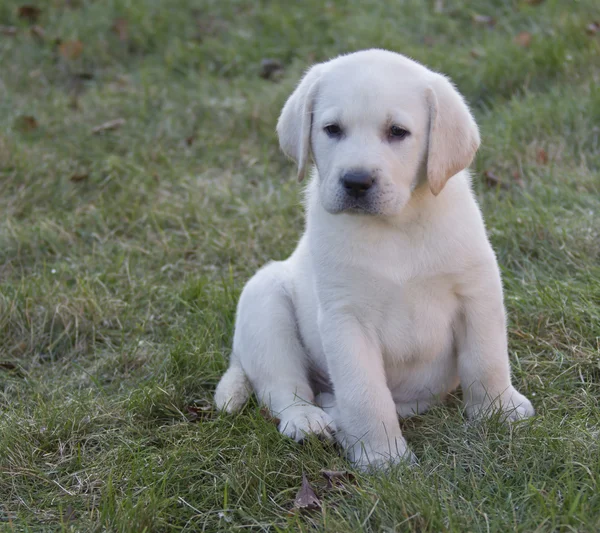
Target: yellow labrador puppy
pixel 393 295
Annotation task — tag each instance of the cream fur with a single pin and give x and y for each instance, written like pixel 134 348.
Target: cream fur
pixel 389 301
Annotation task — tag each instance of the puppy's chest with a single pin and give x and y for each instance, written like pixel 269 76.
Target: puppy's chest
pixel 414 321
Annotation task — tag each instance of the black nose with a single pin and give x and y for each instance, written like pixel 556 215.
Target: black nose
pixel 357 182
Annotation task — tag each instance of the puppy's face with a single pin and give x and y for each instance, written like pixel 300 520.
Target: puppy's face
pixel 369 138
pixel 377 125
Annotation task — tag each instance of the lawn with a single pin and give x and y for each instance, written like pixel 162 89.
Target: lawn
pixel 141 185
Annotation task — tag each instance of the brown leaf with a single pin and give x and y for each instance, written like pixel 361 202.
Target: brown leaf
pixel 11 367
pixel 199 410
pixel 517 177
pixel 270 69
pixel 523 39
pixel 541 157
pixel 86 76
pixel 69 515
pixel 483 20
pixel 476 53
pixel 29 12
pixel 266 414
pixel 76 178
pixel 38 32
pixel 120 28
pixel 9 31
pixel 306 499
pixel 493 181
pixel 70 49
pixel 26 123
pixel 335 478
pixel 108 126
pixel 190 140
pixel 593 28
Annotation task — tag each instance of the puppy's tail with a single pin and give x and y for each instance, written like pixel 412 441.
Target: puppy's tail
pixel 234 388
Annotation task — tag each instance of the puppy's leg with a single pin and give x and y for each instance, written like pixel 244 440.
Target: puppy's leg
pixel 483 363
pixel 268 347
pixel 364 409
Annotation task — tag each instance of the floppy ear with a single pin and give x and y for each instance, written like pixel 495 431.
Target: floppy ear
pixel 295 121
pixel 453 133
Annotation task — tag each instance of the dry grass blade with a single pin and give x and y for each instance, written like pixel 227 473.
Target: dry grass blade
pixel 483 20
pixel 109 126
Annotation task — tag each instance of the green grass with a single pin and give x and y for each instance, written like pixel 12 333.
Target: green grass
pixel 118 290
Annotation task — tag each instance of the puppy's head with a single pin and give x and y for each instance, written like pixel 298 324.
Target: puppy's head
pixel 377 125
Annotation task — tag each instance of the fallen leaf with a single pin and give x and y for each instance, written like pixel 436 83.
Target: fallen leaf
pixel 85 76
pixel 335 478
pixel 12 368
pixel 26 123
pixel 190 140
pixel 119 28
pixel 517 177
pixel 493 181
pixel 76 178
pixel 9 31
pixel 21 348
pixel 70 49
pixel 592 29
pixel 541 157
pixel 199 410
pixel 483 20
pixel 523 39
pixel 266 414
pixel 270 69
pixel 69 515
pixel 108 126
pixel 29 12
pixel 306 499
pixel 38 32
pixel 477 53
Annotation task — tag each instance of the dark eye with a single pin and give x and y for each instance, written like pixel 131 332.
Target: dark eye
pixel 333 130
pixel 396 132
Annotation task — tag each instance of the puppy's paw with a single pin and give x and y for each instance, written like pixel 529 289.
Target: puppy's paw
pixel 513 405
pixel 298 422
pixel 366 455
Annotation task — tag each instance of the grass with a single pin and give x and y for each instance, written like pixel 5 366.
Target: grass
pixel 122 256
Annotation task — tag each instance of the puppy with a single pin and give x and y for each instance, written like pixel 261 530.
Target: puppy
pixel 393 295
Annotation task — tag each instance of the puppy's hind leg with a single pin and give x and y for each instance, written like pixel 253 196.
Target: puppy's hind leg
pixel 268 347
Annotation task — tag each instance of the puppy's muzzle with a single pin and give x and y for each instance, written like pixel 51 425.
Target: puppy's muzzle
pixel 357 183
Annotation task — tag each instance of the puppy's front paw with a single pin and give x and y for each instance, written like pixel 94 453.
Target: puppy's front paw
pixel 513 405
pixel 366 455
pixel 297 422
